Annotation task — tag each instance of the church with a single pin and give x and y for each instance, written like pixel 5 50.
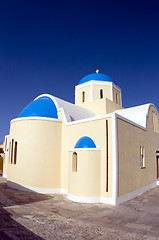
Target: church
pixel 92 151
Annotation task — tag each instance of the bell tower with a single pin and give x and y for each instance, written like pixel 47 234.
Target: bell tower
pixel 99 93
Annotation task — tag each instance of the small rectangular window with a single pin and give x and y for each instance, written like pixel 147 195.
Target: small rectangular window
pixel 15 153
pixel 83 96
pixel 12 145
pixel 142 157
pixel 74 162
pixel 101 93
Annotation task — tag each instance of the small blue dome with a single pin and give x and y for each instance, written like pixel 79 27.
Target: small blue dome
pixel 85 142
pixel 41 107
pixel 97 77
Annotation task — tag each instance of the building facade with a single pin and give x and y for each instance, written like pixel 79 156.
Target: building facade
pixel 93 150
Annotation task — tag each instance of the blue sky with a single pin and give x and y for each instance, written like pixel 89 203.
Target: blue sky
pixel 48 46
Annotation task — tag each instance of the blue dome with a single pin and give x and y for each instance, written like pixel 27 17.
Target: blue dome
pixel 41 107
pixel 85 142
pixel 97 77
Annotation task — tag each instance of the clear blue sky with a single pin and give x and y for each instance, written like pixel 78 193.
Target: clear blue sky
pixel 48 46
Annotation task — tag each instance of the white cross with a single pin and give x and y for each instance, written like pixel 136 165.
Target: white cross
pixel 97 71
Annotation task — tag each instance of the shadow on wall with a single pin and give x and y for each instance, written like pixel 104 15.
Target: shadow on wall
pixel 9 228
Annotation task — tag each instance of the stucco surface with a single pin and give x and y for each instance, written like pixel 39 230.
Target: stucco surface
pixel 106 91
pixel 39 146
pixel 130 175
pixel 99 106
pixel 115 91
pixel 96 130
pixel 86 181
pixel 78 96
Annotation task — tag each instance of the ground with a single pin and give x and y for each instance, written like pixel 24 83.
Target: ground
pixel 36 216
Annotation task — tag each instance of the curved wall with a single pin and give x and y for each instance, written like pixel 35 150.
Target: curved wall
pixel 85 182
pixel 38 153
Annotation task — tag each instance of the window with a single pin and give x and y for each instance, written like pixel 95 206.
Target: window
pixel 12 145
pixel 142 157
pixel 15 153
pixel 101 93
pixel 83 96
pixel 74 162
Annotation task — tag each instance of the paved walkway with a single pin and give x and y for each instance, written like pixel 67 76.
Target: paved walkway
pixel 28 216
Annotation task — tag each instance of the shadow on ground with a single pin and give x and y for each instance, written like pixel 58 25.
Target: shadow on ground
pixel 9 228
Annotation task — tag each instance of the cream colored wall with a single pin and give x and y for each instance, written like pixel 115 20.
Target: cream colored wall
pixel 38 153
pixel 86 181
pixel 112 106
pixel 103 106
pixel 5 163
pixel 98 106
pixel 96 94
pixel 97 131
pixel 106 91
pixel 115 91
pixel 1 164
pixel 6 156
pixel 78 96
pixel 130 138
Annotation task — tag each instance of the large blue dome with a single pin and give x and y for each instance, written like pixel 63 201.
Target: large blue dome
pixel 96 77
pixel 41 107
pixel 85 142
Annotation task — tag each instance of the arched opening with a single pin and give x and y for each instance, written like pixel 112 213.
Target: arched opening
pixel 74 162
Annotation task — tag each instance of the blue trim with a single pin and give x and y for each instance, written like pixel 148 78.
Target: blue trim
pixel 85 142
pixel 41 107
pixel 97 77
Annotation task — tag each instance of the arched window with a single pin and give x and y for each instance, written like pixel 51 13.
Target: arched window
pixel 101 93
pixel 83 96
pixel 74 162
